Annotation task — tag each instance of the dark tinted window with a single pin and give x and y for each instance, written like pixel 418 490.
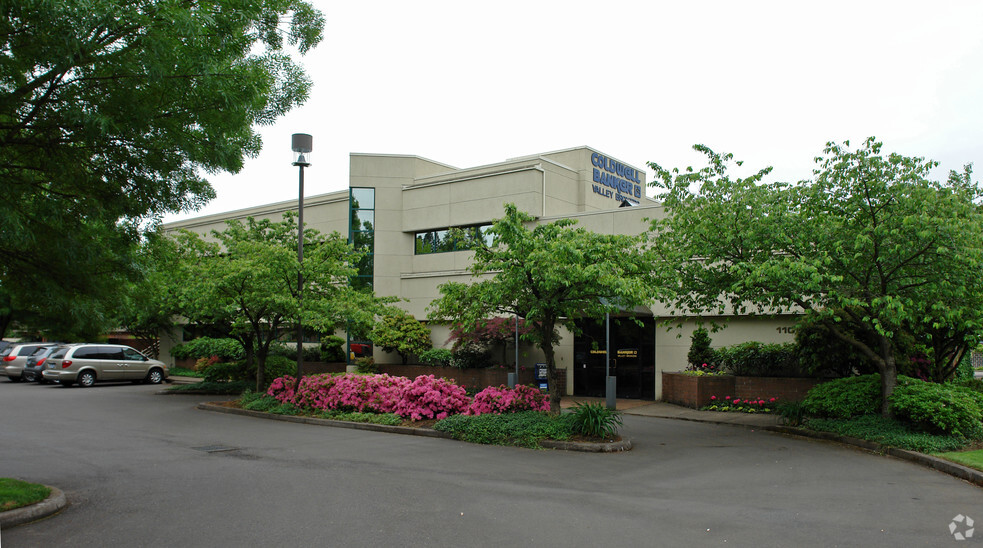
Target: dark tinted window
pixel 60 353
pixel 89 352
pixel 27 350
pixel 6 351
pixel 111 353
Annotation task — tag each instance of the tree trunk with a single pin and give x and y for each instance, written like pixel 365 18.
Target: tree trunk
pixel 889 375
pixel 552 378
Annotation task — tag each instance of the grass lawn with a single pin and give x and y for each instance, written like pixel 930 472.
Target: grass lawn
pixel 972 459
pixel 16 493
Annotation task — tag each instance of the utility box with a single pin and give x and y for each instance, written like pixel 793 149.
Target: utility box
pixel 542 377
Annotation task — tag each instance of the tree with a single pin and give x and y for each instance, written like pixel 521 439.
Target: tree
pixel 400 332
pixel 487 332
pixel 247 277
pixel 869 243
pixel 550 275
pixel 112 112
pixel 150 304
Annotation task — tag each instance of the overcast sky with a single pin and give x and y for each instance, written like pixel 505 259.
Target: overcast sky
pixel 470 84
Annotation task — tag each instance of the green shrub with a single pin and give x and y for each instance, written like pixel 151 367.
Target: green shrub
pixel 700 351
pixel 845 398
pixel 332 349
pixel 524 429
pixel 437 357
pixel 754 359
pixel 366 365
pixel 824 355
pixel 471 356
pixel 594 419
pixel 218 388
pixel 206 347
pixel 389 419
pixel 224 372
pixel 278 366
pixel 887 432
pixel 791 413
pixel 939 408
pixel 263 403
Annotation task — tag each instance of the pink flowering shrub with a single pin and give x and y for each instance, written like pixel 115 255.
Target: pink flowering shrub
pixel 424 398
pixel 350 392
pixel 502 399
pixel 428 397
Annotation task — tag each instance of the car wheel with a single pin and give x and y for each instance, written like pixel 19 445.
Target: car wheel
pixel 87 379
pixel 156 376
pixel 29 377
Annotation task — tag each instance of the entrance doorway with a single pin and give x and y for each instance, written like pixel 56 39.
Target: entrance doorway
pixel 632 358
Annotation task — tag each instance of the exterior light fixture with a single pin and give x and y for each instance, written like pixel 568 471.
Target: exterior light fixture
pixel 302 144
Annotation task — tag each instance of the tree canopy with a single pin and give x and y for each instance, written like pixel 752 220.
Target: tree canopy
pixel 400 332
pixel 112 113
pixel 246 278
pixel 871 242
pixel 550 275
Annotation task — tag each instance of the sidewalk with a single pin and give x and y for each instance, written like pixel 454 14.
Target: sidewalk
pixel 647 408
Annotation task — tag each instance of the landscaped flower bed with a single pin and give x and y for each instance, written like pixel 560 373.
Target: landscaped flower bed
pixel 741 405
pixel 426 397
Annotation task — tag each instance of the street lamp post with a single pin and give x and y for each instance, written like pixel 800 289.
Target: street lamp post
pixel 301 143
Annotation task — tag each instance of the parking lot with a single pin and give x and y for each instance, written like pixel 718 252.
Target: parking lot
pixel 141 469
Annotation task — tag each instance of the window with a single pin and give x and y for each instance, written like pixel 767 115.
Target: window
pixel 459 238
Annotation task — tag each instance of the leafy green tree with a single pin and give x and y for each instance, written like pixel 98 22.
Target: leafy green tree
pixel 870 242
pixel 247 277
pixel 150 304
pixel 111 114
pixel 550 275
pixel 400 332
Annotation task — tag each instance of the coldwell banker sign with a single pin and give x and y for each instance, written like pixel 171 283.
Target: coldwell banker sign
pixel 615 180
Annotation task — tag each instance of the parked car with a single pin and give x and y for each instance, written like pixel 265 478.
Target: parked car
pixel 87 364
pixel 15 358
pixel 34 366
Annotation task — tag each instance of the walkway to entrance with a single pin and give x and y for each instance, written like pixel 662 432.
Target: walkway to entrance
pixel 648 408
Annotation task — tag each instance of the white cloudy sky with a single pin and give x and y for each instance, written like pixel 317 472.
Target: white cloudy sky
pixel 469 84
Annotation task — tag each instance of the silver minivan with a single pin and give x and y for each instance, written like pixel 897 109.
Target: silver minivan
pixel 87 364
pixel 14 358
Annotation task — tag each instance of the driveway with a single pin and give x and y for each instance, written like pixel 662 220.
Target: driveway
pixel 147 470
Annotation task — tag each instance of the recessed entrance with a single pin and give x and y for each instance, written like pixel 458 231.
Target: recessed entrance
pixel 632 358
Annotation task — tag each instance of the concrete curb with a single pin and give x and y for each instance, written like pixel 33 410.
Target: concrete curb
pixel 425 432
pixel 624 444
pixel 612 447
pixel 55 503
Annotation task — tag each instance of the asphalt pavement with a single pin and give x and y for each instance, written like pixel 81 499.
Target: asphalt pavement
pixel 140 469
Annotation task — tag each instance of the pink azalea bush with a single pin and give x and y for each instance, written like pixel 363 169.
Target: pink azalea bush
pixel 426 397
pixel 502 399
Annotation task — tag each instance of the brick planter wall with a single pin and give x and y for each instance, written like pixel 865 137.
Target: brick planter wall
pixel 695 392
pixel 783 388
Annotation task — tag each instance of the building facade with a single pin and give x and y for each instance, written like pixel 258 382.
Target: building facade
pixel 401 210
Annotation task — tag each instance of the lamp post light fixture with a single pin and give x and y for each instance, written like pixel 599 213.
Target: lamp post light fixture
pixel 301 143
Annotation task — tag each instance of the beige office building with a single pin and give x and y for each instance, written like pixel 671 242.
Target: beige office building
pixel 401 208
